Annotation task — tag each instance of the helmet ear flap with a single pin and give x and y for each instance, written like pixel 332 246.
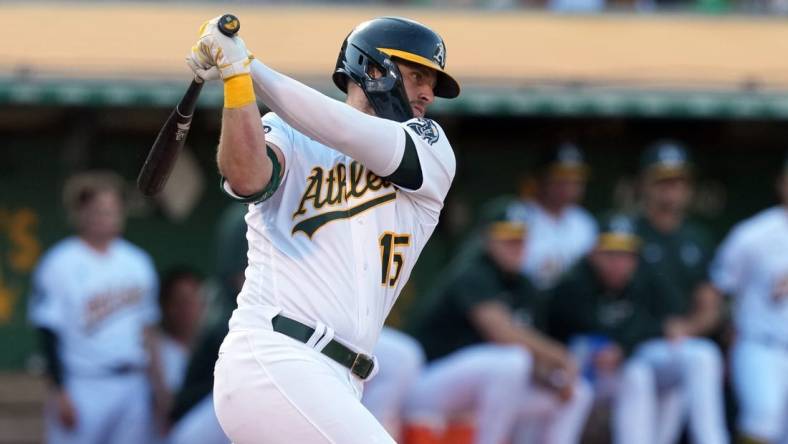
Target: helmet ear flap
pixel 386 93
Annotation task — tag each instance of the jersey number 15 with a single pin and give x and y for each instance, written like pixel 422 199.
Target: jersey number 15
pixel 391 260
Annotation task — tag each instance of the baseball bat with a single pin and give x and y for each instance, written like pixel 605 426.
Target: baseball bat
pixel 172 135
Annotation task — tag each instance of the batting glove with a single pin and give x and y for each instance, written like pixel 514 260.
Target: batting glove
pixel 217 56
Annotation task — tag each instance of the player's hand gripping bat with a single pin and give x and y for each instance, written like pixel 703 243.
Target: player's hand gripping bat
pixel 172 136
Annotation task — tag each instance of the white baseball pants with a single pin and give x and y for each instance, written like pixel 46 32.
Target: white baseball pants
pixel 401 360
pixel 494 383
pixel 269 388
pixel 110 408
pixel 664 382
pixel 760 381
pixel 198 425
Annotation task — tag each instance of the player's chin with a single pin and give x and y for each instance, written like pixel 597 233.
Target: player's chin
pixel 418 111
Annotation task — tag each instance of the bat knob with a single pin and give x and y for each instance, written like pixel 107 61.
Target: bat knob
pixel 229 25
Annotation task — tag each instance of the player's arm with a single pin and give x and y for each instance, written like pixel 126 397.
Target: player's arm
pixel 67 413
pixel 162 398
pixel 704 317
pixel 45 311
pixel 730 266
pixel 377 143
pixel 496 323
pixel 245 161
pixel 555 367
pixel 54 365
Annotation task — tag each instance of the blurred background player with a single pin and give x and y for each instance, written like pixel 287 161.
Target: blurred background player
pixel 674 247
pixel 401 360
pixel 612 295
pixel 677 248
pixel 192 415
pixel 752 266
pixel 488 356
pixel 560 230
pixel 182 307
pixel 94 304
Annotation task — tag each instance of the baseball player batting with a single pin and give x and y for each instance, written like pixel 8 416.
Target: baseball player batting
pixel 752 265
pixel 342 199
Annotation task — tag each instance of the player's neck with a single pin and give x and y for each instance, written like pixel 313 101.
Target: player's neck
pixel 664 220
pixel 555 209
pixel 183 338
pixel 98 243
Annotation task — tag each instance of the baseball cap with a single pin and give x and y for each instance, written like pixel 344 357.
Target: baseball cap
pixel 503 219
pixel 566 160
pixel 617 233
pixel 666 159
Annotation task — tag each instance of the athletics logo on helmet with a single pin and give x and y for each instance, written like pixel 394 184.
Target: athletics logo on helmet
pixel 375 45
pixel 440 54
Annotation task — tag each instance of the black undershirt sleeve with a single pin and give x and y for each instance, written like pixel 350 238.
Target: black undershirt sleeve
pixel 408 174
pixel 49 344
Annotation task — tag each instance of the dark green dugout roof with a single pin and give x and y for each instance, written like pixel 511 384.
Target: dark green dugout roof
pixel 558 101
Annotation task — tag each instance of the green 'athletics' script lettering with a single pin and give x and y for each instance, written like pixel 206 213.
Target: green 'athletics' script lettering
pixel 326 189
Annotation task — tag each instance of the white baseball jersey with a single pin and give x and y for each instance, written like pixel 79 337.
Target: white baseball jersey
pixel 752 265
pixel 554 243
pixel 174 359
pixel 336 243
pixel 96 303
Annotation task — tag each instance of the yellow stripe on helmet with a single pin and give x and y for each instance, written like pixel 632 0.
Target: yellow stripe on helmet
pixel 504 230
pixel 409 56
pixel 618 242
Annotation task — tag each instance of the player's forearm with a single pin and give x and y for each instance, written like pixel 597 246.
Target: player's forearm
pixel 377 143
pixel 241 157
pixel 155 372
pixel 49 344
pixel 707 311
pixel 496 324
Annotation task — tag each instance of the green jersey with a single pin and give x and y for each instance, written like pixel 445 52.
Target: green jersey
pixel 581 305
pixel 680 257
pixel 445 325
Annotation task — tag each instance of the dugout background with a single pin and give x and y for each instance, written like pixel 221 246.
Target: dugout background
pixel 73 98
pixel 736 159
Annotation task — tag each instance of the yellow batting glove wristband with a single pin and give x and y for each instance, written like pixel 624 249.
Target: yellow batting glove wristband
pixel 238 91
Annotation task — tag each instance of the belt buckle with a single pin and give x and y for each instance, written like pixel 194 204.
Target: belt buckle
pixel 362 366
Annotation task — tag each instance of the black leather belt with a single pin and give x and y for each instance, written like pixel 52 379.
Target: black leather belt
pixel 359 364
pixel 125 369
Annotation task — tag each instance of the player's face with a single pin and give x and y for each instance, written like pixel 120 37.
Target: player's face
pixel 614 268
pixel 185 307
pixel 564 190
pixel 420 84
pixel 102 217
pixel 670 194
pixel 507 253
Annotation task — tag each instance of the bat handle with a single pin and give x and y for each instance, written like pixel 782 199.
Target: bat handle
pixel 185 109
